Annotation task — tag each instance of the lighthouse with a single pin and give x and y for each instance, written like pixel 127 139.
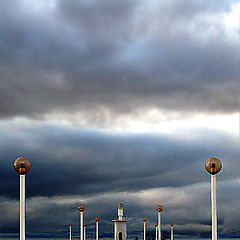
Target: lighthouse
pixel 120 224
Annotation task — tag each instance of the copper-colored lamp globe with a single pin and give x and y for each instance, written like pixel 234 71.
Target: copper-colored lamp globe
pixel 144 219
pixel 84 225
pixel 159 208
pixel 97 219
pixel 22 166
pixel 213 165
pixel 81 208
pixel 171 225
pixel 70 224
pixel 155 225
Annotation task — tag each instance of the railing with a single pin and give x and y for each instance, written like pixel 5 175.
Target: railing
pixel 120 218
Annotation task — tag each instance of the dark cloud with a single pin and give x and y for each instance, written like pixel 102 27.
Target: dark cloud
pixel 70 166
pixel 124 56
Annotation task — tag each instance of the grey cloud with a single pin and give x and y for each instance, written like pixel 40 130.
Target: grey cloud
pixel 88 56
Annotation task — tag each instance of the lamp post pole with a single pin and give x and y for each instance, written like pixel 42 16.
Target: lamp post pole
pixel 171 226
pixel 70 231
pixel 97 230
pixel 144 228
pixel 159 210
pixel 213 166
pixel 81 208
pixel 156 230
pixel 22 166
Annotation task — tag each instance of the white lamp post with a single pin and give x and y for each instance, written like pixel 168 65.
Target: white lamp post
pixel 171 226
pixel 144 228
pixel 81 208
pixel 156 228
pixel 84 226
pixel 213 166
pixel 70 231
pixel 159 210
pixel 97 230
pixel 22 167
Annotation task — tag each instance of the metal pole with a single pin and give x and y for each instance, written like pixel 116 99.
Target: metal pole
pixel 156 233
pixel 214 207
pixel 144 230
pixel 70 232
pixel 97 231
pixel 171 232
pixel 81 225
pixel 84 232
pixel 22 207
pixel 159 226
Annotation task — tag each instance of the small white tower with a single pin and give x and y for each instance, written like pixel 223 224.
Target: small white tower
pixel 120 224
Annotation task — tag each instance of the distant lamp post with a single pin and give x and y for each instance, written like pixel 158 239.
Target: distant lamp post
pixel 81 209
pixel 171 226
pixel 70 231
pixel 159 210
pixel 97 230
pixel 22 166
pixel 84 226
pixel 144 228
pixel 156 228
pixel 213 166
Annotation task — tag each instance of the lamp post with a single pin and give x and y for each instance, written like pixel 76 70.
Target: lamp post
pixel 81 209
pixel 156 228
pixel 84 226
pixel 159 210
pixel 22 166
pixel 70 231
pixel 213 166
pixel 144 228
pixel 97 232
pixel 171 226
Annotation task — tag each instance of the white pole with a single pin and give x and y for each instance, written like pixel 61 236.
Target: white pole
pixel 144 230
pixel 171 232
pixel 156 233
pixel 159 226
pixel 96 230
pixel 81 225
pixel 214 207
pixel 84 232
pixel 22 207
pixel 70 232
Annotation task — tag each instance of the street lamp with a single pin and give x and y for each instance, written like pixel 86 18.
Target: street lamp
pixel 81 209
pixel 171 226
pixel 159 210
pixel 97 234
pixel 156 227
pixel 84 226
pixel 144 228
pixel 70 231
pixel 22 166
pixel 213 166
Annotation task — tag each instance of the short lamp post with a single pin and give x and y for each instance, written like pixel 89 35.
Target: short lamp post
pixel 70 231
pixel 81 209
pixel 171 226
pixel 22 166
pixel 97 227
pixel 156 230
pixel 159 210
pixel 213 166
pixel 144 228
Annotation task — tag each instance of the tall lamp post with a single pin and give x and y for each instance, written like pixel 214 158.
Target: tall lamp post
pixel 213 166
pixel 97 229
pixel 22 166
pixel 171 226
pixel 81 209
pixel 159 210
pixel 70 231
pixel 156 229
pixel 144 228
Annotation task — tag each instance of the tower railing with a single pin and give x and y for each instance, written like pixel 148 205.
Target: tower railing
pixel 120 218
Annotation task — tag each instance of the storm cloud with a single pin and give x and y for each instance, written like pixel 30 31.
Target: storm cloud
pixel 121 57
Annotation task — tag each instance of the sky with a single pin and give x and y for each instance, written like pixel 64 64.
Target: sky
pixel 119 101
